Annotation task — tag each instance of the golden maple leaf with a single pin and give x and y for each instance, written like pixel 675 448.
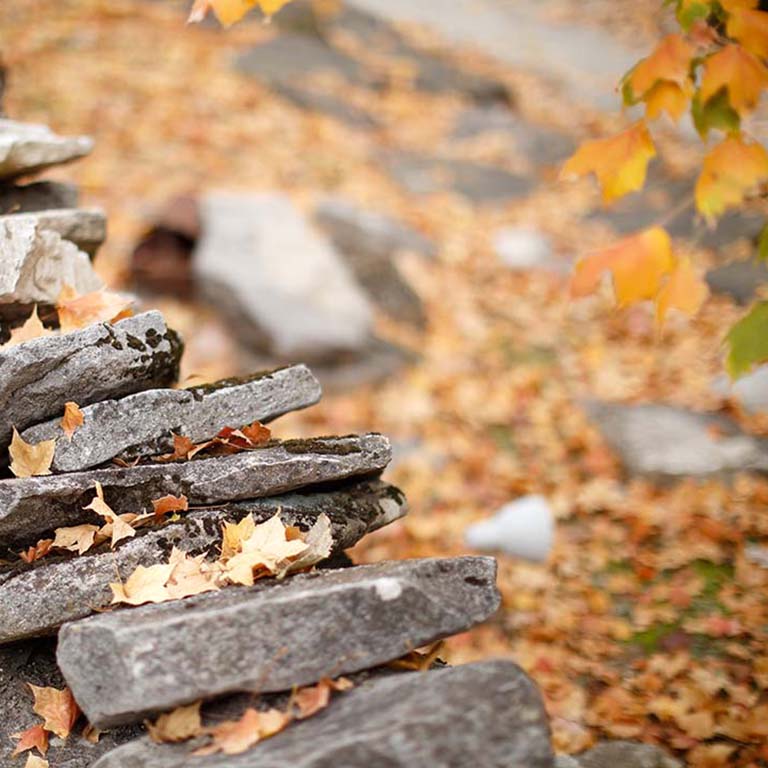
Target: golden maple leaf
pixel 58 709
pixel 191 575
pixel 619 162
pixel 97 307
pixel 750 28
pixel 182 724
pixel 144 585
pixel 29 460
pixel 72 420
pixel 684 291
pixel 230 11
pixel 119 528
pixel 738 70
pixel 76 538
pixel 33 761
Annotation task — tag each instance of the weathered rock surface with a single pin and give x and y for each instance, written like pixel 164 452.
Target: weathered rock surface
pixel 30 506
pixel 36 262
pixel 625 754
pixel 160 656
pixel 27 148
pixel 739 279
pixel 85 227
pixel 667 442
pixel 35 662
pixel 142 424
pixel 38 598
pixel 310 98
pixel 37 196
pixel 98 362
pixel 487 715
pixel 286 289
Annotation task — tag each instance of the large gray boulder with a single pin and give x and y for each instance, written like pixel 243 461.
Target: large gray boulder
pixel 31 506
pixel 143 424
pixel 105 360
pixel 283 286
pixel 36 263
pixel 85 227
pixel 27 148
pixel 484 715
pixel 269 637
pixel 38 598
pixel 665 442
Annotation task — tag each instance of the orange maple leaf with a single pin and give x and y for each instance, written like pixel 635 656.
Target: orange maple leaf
pixel 170 503
pixel 738 70
pixel 96 307
pixel 72 420
pixel 41 549
pixel 236 736
pixel 619 162
pixel 684 290
pixel 670 63
pixel 58 708
pixel 732 170
pixel 637 263
pixel 35 737
pixel 750 28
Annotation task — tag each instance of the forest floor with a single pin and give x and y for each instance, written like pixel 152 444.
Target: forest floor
pixel 647 622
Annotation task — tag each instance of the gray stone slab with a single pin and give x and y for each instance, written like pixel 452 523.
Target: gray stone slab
pixel 671 443
pixel 37 598
pixel 31 506
pixel 311 98
pixel 85 227
pixel 36 262
pixel 98 362
pixel 269 637
pixel 484 715
pixel 751 390
pixel 284 287
pixel 37 196
pixel 143 424
pixel 27 148
pixel 739 279
pixel 627 754
pixel 35 662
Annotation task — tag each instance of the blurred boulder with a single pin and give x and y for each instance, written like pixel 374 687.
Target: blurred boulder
pixel 521 248
pixel 738 279
pixel 85 227
pixel 37 196
pixel 751 390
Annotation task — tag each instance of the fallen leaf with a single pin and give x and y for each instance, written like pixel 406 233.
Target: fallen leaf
pixel 33 761
pixel 257 433
pixel 737 70
pixel 319 541
pixel 91 733
pixel 120 529
pixel 35 737
pixel 39 550
pixel 191 575
pixel 144 585
pixel 29 460
pixel 32 328
pixel 311 699
pixel 747 341
pixel 58 709
pixel 750 28
pixel 234 737
pixel 97 307
pixel 72 420
pixel 180 725
pixel 76 538
pixel 182 447
pixel 230 11
pixel 684 290
pixel 170 503
pixel 619 162
pixel 419 662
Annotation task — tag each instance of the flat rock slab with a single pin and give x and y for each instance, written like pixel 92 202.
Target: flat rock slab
pixel 269 638
pixel 667 442
pixel 85 227
pixel 285 289
pixel 37 196
pixel 625 754
pixel 143 424
pixel 739 279
pixel 36 599
pixel 98 362
pixel 36 262
pixel 488 715
pixel 31 506
pixel 35 662
pixel 28 148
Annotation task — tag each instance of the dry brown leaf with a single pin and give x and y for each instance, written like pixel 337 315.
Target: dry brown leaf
pixel 32 328
pixel 170 503
pixel 35 737
pixel 257 433
pixel 58 709
pixel 236 736
pixel 310 700
pixel 31 460
pixel 319 541
pixel 117 528
pixel 39 550
pixel 76 538
pixel 72 420
pixel 180 725
pixel 144 585
pixel 97 307
pixel 182 447
pixel 91 733
pixel 419 662
pixel 191 575
pixel 33 761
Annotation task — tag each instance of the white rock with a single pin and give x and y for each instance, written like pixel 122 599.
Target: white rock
pixel 750 390
pixel 286 287
pixel 524 527
pixel 36 263
pixel 27 148
pixel 522 248
pixel 85 227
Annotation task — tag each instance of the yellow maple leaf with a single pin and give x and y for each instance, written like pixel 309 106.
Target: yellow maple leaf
pixel 96 307
pixel 619 162
pixel 733 169
pixel 57 707
pixel 144 585
pixel 738 70
pixel 182 724
pixel 637 263
pixel 119 528
pixel 76 538
pixel 667 97
pixel 684 290
pixel 29 460
pixel 670 61
pixel 230 11
pixel 750 28
pixel 735 5
pixel 32 328
pixel 73 419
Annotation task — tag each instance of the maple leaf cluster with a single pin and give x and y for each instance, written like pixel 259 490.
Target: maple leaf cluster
pixel 230 11
pixel 716 68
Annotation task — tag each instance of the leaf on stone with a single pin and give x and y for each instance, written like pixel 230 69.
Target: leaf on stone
pixel 91 733
pixel 181 724
pixel 257 433
pixel 419 662
pixel 619 162
pixel 731 171
pixel 76 538
pixel 747 341
pixel 234 737
pixel 170 503
pixel 738 71
pixel 144 585
pixel 319 541
pixel 311 699
pixel 32 328
pixel 35 737
pixel 684 290
pixel 119 528
pixel 97 307
pixel 33 761
pixel 182 447
pixel 230 11
pixel 191 575
pixel 637 263
pixel 31 460
pixel 41 549
pixel 72 420
pixel 750 28
pixel 58 709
